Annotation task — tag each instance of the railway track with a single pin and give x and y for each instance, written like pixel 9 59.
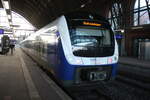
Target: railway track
pixel 98 92
pixel 135 76
pixel 134 83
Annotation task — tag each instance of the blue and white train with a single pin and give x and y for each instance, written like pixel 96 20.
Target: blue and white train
pixel 77 48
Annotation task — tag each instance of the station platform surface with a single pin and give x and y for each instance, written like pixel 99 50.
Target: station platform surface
pixel 134 62
pixel 21 79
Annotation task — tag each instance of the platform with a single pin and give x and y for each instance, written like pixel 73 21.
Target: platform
pixel 21 79
pixel 134 62
pixel 134 69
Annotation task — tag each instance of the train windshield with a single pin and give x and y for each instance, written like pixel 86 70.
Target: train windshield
pixel 91 41
pixel 90 37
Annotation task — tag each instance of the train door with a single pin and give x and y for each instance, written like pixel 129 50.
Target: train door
pixel 51 50
pixel 43 51
pixel 38 45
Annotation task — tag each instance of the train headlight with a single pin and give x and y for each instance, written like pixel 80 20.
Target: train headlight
pixel 78 61
pixel 109 60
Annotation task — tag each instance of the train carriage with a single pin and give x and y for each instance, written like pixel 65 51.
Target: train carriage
pixel 77 48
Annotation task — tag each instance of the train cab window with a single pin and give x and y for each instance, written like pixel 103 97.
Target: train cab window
pixel 90 37
pixel 86 40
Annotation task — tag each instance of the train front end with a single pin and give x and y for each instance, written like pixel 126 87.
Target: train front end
pixel 90 50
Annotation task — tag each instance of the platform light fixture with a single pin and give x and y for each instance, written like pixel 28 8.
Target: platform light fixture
pixel 137 27
pixel 6 4
pixel 7 8
pixel 122 30
pixel 83 5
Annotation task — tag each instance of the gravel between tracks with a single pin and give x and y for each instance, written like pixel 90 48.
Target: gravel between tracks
pixel 122 91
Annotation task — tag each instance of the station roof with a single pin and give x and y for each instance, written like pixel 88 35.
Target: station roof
pixel 42 12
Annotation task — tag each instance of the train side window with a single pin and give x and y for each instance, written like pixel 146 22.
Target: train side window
pixel 51 47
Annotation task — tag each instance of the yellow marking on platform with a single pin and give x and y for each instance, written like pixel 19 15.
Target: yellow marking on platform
pixel 34 95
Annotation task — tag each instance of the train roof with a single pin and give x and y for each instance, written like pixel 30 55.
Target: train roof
pixel 85 15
